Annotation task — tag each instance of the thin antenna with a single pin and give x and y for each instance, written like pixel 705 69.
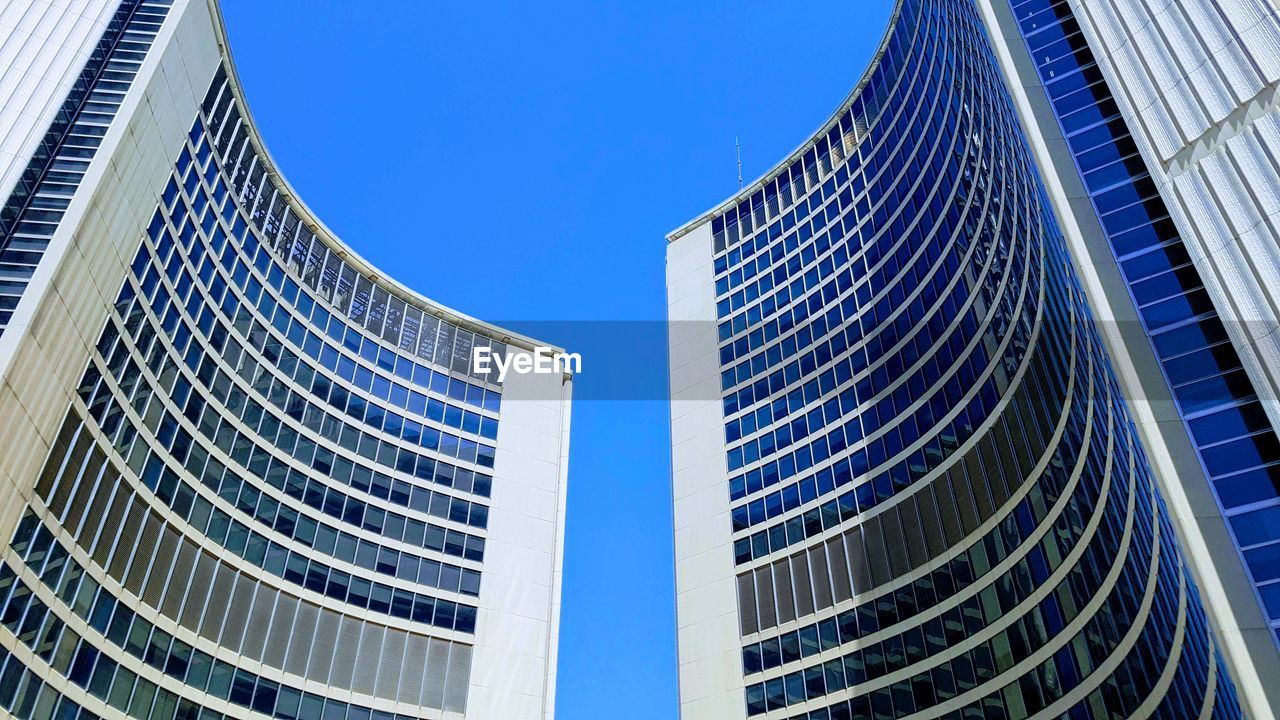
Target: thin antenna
pixel 737 149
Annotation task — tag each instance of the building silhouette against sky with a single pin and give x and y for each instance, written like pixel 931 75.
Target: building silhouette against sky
pixel 242 472
pixel 974 393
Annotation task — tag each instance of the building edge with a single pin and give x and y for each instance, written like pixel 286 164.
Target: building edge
pixel 1230 598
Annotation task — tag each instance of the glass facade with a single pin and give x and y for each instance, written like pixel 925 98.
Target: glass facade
pixel 1227 425
pixel 939 505
pixel 271 493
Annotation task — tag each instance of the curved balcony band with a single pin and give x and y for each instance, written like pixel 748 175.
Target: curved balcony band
pixel 939 505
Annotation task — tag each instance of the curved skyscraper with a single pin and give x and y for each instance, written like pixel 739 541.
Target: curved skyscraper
pixel 243 473
pixel 907 478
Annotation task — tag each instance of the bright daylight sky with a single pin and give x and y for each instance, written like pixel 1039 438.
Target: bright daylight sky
pixel 523 162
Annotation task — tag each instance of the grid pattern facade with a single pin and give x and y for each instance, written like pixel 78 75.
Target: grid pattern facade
pixel 1226 420
pixel 938 503
pixel 276 472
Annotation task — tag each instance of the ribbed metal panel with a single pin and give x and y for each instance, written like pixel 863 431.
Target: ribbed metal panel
pixel 193 607
pixel 323 647
pixel 175 591
pixel 436 671
pixel 224 580
pixel 281 630
pixel 260 613
pixel 43 46
pixel 347 664
pixel 390 661
pixel 158 578
pixel 303 627
pixel 415 663
pixel 367 657
pixel 455 693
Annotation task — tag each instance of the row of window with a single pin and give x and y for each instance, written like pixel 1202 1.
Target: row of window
pixel 86 464
pixel 896 195
pixel 843 202
pixel 838 140
pixel 921 268
pixel 226 606
pixel 892 304
pixel 927 381
pixel 843 318
pixel 426 682
pixel 1077 658
pixel 931 352
pixel 895 192
pixel 160 302
pixel 1022 633
pixel 960 674
pixel 861 280
pixel 770 471
pixel 926 453
pixel 227 276
pixel 136 388
pixel 872 553
pixel 937 375
pixel 108 497
pixel 1031 535
pixel 1040 396
pixel 865 219
pixel 976 176
pixel 325 275
pixel 177 406
pixel 1115 622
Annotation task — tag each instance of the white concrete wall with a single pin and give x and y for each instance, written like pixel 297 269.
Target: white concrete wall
pixel 513 667
pixel 709 643
pixel 43 46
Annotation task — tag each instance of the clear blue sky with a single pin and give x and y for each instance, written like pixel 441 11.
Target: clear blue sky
pixel 523 162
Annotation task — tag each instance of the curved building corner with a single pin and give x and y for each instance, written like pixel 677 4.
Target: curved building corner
pixel 907 478
pixel 243 474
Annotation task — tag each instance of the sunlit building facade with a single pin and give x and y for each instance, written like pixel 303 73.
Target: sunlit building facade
pixel 926 463
pixel 243 474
